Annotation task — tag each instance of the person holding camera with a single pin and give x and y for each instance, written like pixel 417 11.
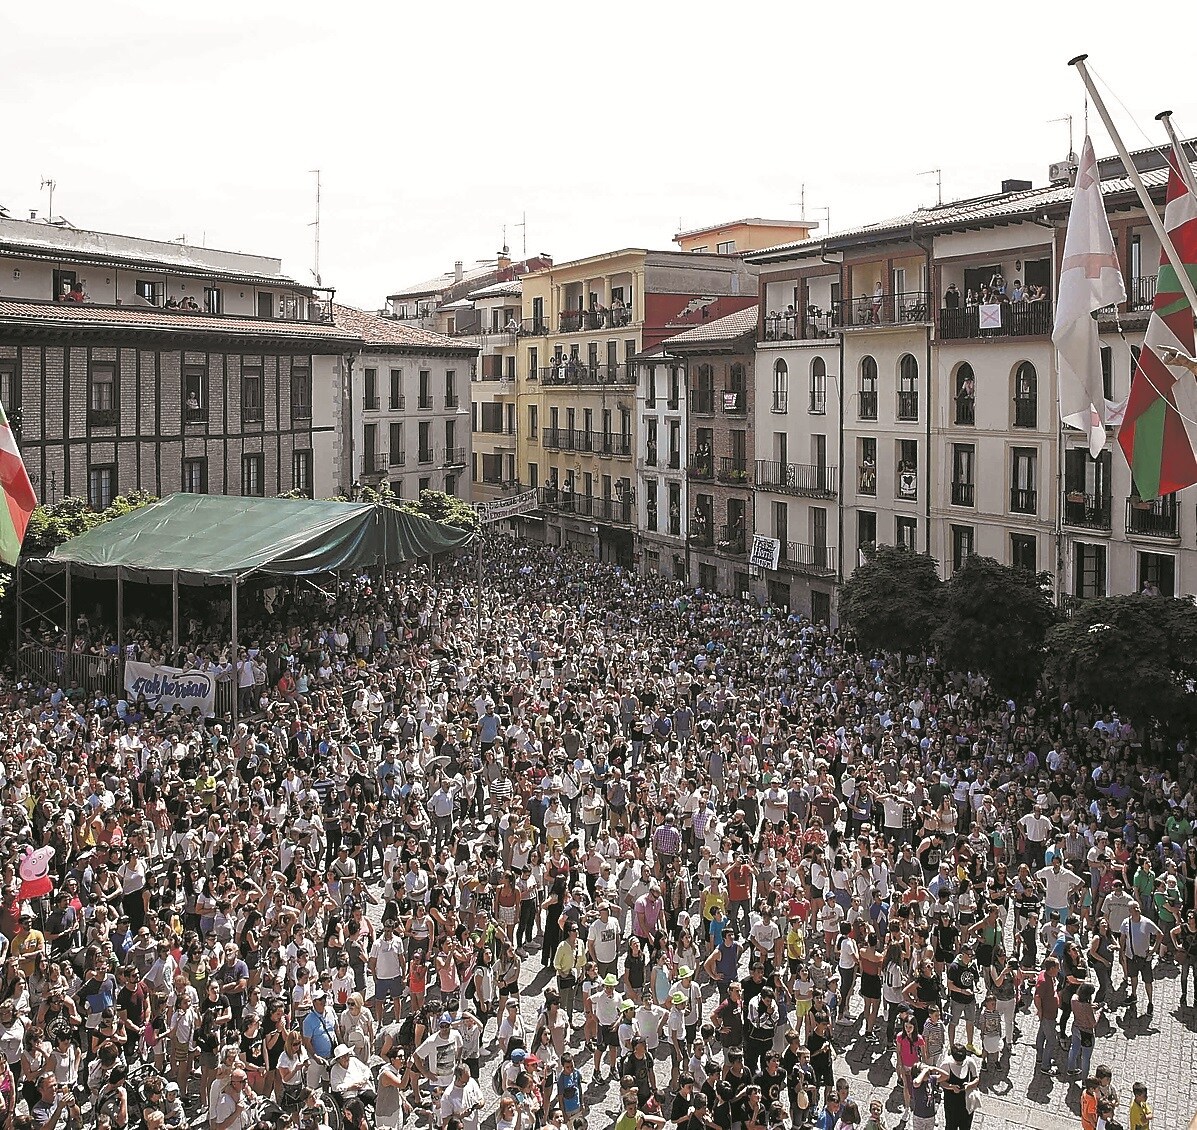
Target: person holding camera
pixel 56 1106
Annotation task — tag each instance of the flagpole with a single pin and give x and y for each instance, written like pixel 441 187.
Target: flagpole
pixel 1186 168
pixel 1182 277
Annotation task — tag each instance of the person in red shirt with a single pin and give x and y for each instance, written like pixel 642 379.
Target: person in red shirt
pixel 739 892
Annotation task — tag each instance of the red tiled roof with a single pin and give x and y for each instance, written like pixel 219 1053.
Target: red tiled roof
pixel 63 315
pixel 727 328
pixel 374 330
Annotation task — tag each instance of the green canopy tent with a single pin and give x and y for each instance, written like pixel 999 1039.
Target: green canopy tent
pixel 200 539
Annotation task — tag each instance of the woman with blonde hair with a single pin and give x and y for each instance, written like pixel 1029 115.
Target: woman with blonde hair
pixel 356 1027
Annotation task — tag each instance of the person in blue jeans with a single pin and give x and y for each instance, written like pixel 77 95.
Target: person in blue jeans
pixel 1047 1008
pixel 1084 1032
pixel 569 1090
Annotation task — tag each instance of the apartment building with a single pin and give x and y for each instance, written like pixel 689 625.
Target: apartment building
pixel 719 374
pixel 584 325
pixel 135 364
pixel 492 392
pixel 736 237
pixel 661 494
pixel 933 331
pixel 406 416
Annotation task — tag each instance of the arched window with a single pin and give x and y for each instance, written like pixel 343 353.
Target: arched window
pixel 965 393
pixel 781 386
pixel 908 387
pixel 868 388
pixel 1026 396
pixel 818 386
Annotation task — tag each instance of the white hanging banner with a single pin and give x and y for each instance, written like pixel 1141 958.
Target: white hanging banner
pixel 164 688
pixel 508 507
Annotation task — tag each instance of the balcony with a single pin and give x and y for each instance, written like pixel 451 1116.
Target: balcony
pixel 866 481
pixel 425 455
pixel 425 403
pixel 733 471
pixel 810 480
pixel 908 405
pixel 551 438
pixel 1158 519
pixel 910 307
pixel 702 536
pixel 733 540
pixel 702 401
pixel 197 414
pixel 535 327
pixel 375 462
pixel 964 494
pixel 675 461
pixel 966 410
pixel 1140 292
pixel 868 405
pixel 618 511
pixel 398 458
pixel 250 414
pixel 1023 500
pixel 579 321
pixel 1026 411
pixel 701 467
pixel 371 403
pixel 818 403
pixel 1006 319
pixel 811 326
pixel 571 371
pixel 398 403
pixel 454 457
pixel 1087 511
pixel 451 400
pixel 781 401
pixel 735 402
pixel 815 560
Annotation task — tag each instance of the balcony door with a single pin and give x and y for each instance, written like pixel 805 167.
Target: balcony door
pixel 897 282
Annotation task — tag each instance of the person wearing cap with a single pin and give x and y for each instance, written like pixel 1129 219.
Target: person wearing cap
pixel 605 1004
pixel 319 1032
pixel 440 1053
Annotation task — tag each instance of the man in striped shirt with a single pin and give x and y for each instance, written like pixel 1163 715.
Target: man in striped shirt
pixel 667 844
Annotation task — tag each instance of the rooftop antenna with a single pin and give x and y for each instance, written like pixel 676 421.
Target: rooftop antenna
pixel 938 174
pixel 316 224
pixel 51 185
pixel 802 201
pixel 523 226
pixel 1066 118
pixel 826 219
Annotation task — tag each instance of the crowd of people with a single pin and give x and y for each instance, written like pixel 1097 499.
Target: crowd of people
pixel 728 844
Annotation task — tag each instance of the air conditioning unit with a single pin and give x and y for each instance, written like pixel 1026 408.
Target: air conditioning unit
pixel 1061 172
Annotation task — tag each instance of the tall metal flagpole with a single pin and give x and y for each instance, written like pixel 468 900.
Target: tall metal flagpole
pixel 1186 168
pixel 1186 284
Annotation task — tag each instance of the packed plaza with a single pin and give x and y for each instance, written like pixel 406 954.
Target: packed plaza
pixel 606 850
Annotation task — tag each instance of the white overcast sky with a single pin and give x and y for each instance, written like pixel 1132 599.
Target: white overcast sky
pixel 436 124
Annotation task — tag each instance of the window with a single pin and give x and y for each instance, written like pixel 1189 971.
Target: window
pixel 962 546
pixel 866 532
pixel 533 475
pixel 908 387
pixel 64 283
pixel 964 456
pixel 213 300
pixel 533 353
pixel 101 487
pixel 1088 570
pixel 195 393
pixel 253 475
pixel 301 472
pixel 151 291
pixel 1023 496
pixel 675 510
pixel 1157 574
pixel 868 466
pixel 492 468
pixel 727 247
pixel 533 420
pixel 650 503
pixel 370 395
pixel 301 393
pixel 1026 396
pixel 781 522
pixel 8 390
pixel 675 389
pixel 450 388
pixel 370 458
pixel 781 386
pixel 675 444
pixel 396 455
pixel 251 396
pixel 650 394
pixel 102 395
pixel 905 532
pixel 650 441
pixel 424 483
pixel 1107 372
pixel 396 399
pixel 195 476
pixel 908 468
pixel 425 453
pixel 868 388
pixel 736 398
pixel 966 395
pixel 1023 554
pixel 425 388
pixel 818 386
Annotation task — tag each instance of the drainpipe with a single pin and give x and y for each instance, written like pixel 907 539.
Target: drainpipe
pixel 839 509
pixel 927 249
pixel 349 359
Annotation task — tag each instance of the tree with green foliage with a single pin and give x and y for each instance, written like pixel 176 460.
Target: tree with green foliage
pixel 442 507
pixel 1133 654
pixel 51 524
pixel 892 601
pixel 994 620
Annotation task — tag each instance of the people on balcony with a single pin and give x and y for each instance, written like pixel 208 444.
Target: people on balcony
pixel 951 298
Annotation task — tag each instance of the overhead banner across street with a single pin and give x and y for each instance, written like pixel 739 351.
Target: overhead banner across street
pixel 508 507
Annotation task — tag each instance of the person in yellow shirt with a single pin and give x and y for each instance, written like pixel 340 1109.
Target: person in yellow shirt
pixel 1140 1114
pixel 795 942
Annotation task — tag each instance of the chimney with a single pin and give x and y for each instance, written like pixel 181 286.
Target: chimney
pixel 33 213
pixel 1016 185
pixel 504 260
pixel 458 273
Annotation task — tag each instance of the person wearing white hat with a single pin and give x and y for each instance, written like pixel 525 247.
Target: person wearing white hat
pixel 348 1076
